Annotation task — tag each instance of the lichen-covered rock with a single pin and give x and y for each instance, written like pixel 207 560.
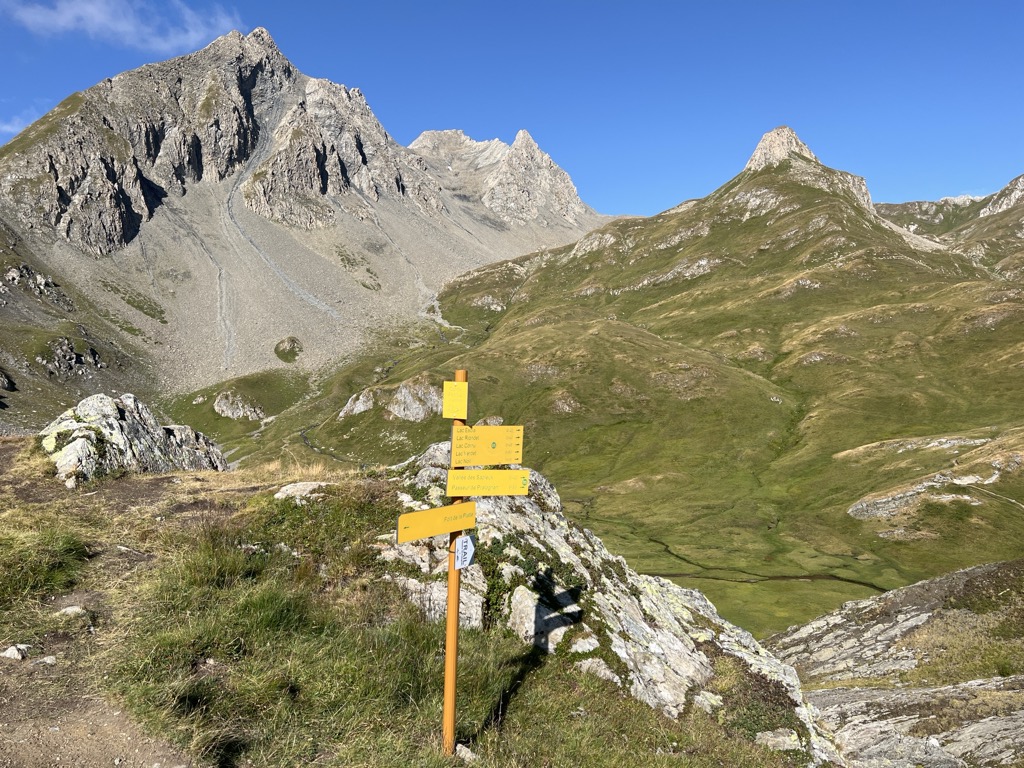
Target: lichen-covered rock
pixel 6 382
pixel 900 728
pixel 877 642
pixel 563 592
pixel 101 435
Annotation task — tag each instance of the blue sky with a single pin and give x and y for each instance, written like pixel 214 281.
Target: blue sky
pixel 645 103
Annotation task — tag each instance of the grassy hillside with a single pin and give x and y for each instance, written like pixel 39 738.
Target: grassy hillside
pixel 713 388
pixel 253 631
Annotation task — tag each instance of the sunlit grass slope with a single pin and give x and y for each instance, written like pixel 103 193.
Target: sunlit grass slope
pixel 699 384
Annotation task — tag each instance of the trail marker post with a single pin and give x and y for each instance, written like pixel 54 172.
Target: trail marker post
pixel 455 403
pixel 471 446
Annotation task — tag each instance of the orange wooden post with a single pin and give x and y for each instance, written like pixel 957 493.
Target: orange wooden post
pixel 451 642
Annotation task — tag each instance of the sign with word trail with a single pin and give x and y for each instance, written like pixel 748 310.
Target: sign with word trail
pixel 473 446
pixel 464 549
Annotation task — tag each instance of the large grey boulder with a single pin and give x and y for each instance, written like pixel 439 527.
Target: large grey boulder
pixel 102 434
pixel 232 405
pixel 556 586
pixel 413 400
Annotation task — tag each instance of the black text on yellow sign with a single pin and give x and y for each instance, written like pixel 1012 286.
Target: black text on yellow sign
pixel 488 482
pixel 486 445
pixel 431 522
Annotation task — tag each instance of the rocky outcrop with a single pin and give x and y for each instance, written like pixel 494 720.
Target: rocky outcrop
pixel 878 646
pixel 557 587
pixel 103 435
pixel 6 382
pixel 1009 196
pixel 329 145
pixel 519 183
pixel 288 349
pixel 65 361
pixel 232 405
pixel 777 146
pixel 42 286
pixel 781 145
pixel 527 185
pixel 413 400
pixel 978 723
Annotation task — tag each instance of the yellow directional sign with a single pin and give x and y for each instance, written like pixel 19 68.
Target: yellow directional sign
pixel 488 482
pixel 431 522
pixel 486 445
pixel 455 402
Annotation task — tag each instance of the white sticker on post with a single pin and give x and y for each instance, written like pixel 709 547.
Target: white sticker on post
pixel 464 549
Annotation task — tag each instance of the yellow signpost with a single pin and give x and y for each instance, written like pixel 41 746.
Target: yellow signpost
pixel 455 400
pixel 472 446
pixel 431 522
pixel 488 482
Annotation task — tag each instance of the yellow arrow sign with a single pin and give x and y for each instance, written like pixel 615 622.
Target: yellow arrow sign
pixel 488 482
pixel 431 522
pixel 486 445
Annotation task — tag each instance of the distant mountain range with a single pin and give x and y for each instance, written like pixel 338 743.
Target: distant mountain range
pixel 198 211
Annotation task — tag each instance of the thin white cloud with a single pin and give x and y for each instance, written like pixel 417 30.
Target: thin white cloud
pixel 165 28
pixel 15 124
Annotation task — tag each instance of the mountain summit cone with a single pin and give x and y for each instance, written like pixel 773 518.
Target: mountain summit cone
pixel 776 146
pixel 781 150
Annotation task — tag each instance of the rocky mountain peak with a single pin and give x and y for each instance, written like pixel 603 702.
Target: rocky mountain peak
pixel 777 145
pixel 527 183
pixel 256 45
pixel 260 36
pixel 518 182
pixel 524 141
pixel 782 145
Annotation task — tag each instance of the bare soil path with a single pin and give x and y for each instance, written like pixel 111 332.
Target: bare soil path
pixel 55 714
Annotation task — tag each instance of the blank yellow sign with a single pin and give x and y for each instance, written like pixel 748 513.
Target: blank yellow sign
pixel 488 482
pixel 455 403
pixel 431 522
pixel 486 445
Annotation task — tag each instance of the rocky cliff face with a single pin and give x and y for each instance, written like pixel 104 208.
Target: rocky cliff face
pixel 327 146
pixel 101 162
pixel 98 166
